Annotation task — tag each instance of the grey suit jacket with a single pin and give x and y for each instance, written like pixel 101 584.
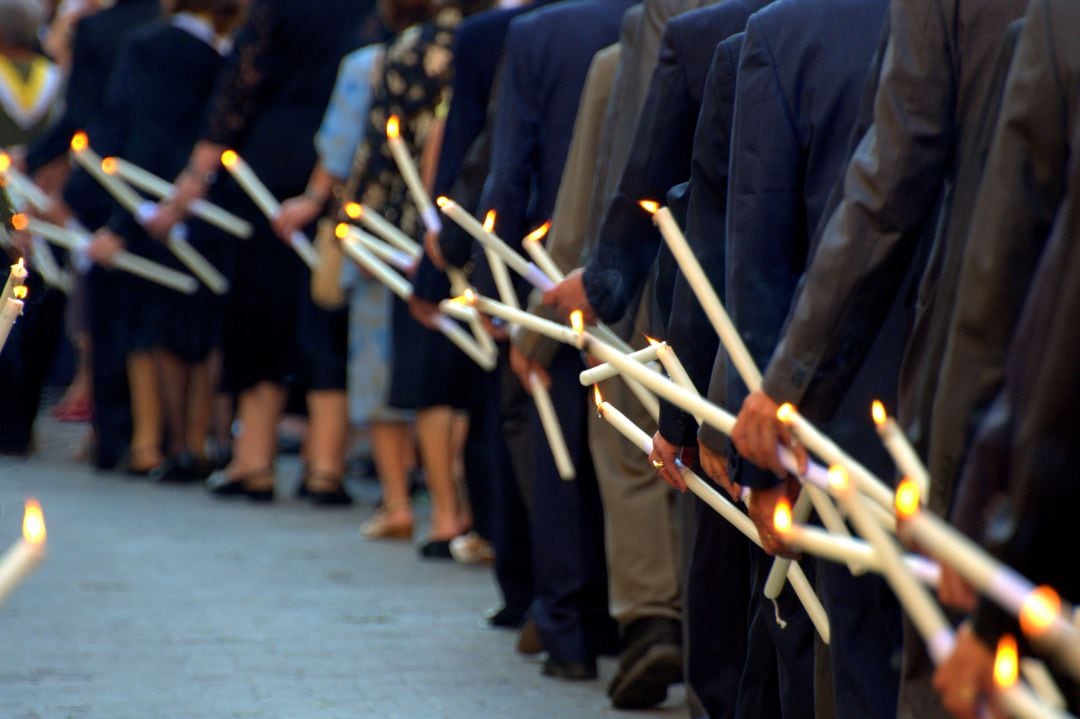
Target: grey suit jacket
pixel 1023 184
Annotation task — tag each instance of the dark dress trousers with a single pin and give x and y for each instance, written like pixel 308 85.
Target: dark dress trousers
pixel 548 55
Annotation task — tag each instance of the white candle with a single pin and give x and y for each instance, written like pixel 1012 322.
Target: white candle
pixel 1012 696
pixel 16 277
pixel 76 241
pixel 529 321
pixel 46 264
pixel 925 614
pixel 25 554
pixel 724 508
pixel 267 203
pixel 391 255
pixel 92 163
pixel 602 372
pixel 21 184
pixel 153 185
pixel 457 309
pixel 534 247
pixel 706 295
pixel 194 260
pixel 489 240
pixel 408 171
pixel 777 578
pixel 552 429
pixel 903 454
pixel 10 312
pixel 382 227
pixel 474 349
pixel 499 273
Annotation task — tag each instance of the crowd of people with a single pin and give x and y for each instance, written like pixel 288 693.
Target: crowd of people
pixel 882 192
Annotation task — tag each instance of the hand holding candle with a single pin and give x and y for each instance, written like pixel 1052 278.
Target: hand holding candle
pixel 10 310
pixel 23 556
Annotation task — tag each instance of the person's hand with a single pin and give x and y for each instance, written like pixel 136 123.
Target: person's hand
pixel 523 366
pixel 761 506
pixel 103 247
pixel 166 216
pixel 52 176
pixel 569 295
pixel 663 457
pixel 423 311
pixel 967 677
pixel 757 433
pixel 434 250
pixel 716 466
pixel 954 592
pixel 296 213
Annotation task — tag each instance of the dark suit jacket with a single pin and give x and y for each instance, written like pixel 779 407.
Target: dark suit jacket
pixel 931 91
pixel 659 154
pixel 97 41
pixel 1021 187
pixel 547 59
pixel 796 102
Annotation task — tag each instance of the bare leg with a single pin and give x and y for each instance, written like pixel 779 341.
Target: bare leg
pixel 328 431
pixel 255 446
pixel 200 404
pixel 460 433
pixel 175 378
pixel 434 430
pixel 391 444
pixel 146 411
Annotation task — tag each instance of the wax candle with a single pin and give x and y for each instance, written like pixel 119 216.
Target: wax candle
pixel 391 255
pixel 605 371
pixel 76 242
pixel 379 225
pixel 552 429
pixel 534 247
pixel 473 349
pixel 457 309
pixel 267 203
pixel 26 554
pixel 722 506
pixel 194 260
pixel 90 161
pixel 706 295
pixel 21 184
pixel 515 316
pixel 407 168
pixel 51 273
pixel 903 454
pixel 489 240
pixel 16 275
pixel 499 273
pixel 1012 696
pixel 10 310
pixel 153 185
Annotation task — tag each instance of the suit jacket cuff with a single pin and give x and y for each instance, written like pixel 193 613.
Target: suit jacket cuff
pixel 602 291
pixel 676 426
pixel 786 379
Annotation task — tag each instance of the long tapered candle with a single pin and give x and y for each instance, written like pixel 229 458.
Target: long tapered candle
pixel 1012 696
pixel 10 310
pixel 489 240
pixel 457 309
pixel 17 275
pixel 21 184
pixel 428 214
pixel 534 248
pixel 552 429
pixel 531 322
pixel 722 506
pixel 90 161
pixel 605 371
pixel 380 226
pixel 160 188
pixel 473 349
pixel 46 264
pixel 503 284
pixel 901 451
pixel 391 255
pixel 26 554
pixel 266 202
pixel 77 241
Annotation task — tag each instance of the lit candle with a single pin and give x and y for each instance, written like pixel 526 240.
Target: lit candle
pixel 21 184
pixel 552 429
pixel 499 273
pixel 845 549
pixel 474 349
pixel 194 260
pixel 379 225
pixel 76 242
pixel 515 316
pixel 91 162
pixel 1042 616
pixel 534 247
pixel 706 295
pixel 16 277
pixel 925 614
pixel 391 255
pixel 10 311
pixel 408 171
pixel 602 372
pixel 457 309
pixel 267 203
pixel 51 274
pixel 903 454
pixel 153 185
pixel 26 553
pixel 722 506
pixel 1012 696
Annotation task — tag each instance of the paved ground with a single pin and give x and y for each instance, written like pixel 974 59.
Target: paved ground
pixel 160 602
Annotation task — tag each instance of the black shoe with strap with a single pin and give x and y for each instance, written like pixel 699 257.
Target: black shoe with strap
pixel 227 486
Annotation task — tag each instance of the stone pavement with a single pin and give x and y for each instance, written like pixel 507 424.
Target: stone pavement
pixel 161 602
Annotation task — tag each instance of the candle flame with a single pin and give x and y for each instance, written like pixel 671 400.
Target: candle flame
pixel 393 127
pixel 470 296
pixel 652 342
pixel 597 397
pixel 109 166
pixel 33 526
pixel 229 158
pixel 20 221
pixel 907 498
pixel 838 478
pixel 20 292
pixel 21 264
pixel 489 222
pixel 782 516
pixel 877 411
pixel 354 210
pixel 539 233
pixel 650 206
pixel 5 162
pixel 1006 662
pixel 79 141
pixel 1039 610
pixel 442 201
pixel 577 321
pixel 786 413
pixel 341 231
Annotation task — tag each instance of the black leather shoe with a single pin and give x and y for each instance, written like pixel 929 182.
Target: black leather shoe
pixel 571 671
pixel 503 618
pixel 436 549
pixel 651 662
pixel 222 485
pixel 182 468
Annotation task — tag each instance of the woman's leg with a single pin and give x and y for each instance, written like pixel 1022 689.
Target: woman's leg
pixel 146 412
pixel 328 431
pixel 434 430
pixel 200 408
pixel 175 385
pixel 392 450
pixel 255 445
